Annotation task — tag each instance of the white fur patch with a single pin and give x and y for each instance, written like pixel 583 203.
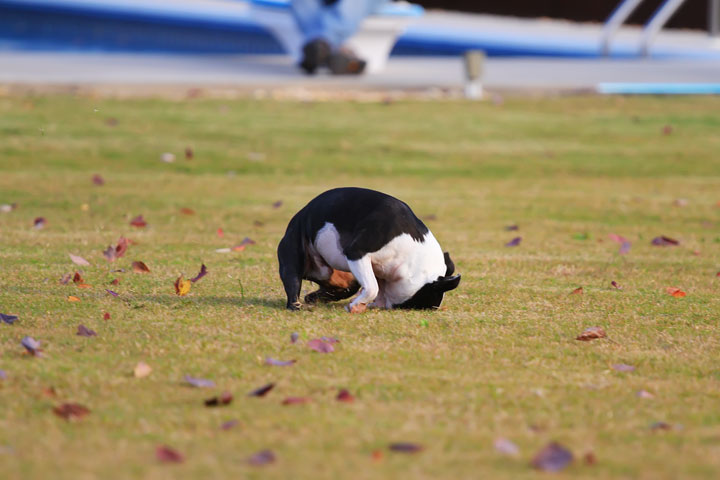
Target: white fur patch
pixel 391 275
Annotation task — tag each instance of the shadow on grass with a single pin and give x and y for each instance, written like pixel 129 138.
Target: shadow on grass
pixel 235 301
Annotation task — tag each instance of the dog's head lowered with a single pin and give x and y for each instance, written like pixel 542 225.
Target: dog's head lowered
pixel 431 294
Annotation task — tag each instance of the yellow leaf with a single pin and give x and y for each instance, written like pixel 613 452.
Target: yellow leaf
pixel 72 298
pixel 182 286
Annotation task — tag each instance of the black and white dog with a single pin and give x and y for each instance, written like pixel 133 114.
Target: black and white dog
pixel 347 238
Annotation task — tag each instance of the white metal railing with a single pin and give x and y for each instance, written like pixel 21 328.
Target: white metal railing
pixel 658 20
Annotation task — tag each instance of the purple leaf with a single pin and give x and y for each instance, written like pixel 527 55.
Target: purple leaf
pixel 84 331
pixel 199 382
pixel 203 272
pixel 277 204
pixel 622 367
pixel 320 346
pixel 279 363
pixel 167 454
pixel 405 447
pixel 9 319
pixel 505 446
pixel 31 345
pixel 39 223
pixel 3 375
pixel 114 294
pixel 262 391
pixel 552 458
pixel 229 424
pixel 624 248
pixel 263 457
pixel 514 242
pixel 663 241
pixel 615 284
pixel 78 260
pixel 98 180
pixel 294 337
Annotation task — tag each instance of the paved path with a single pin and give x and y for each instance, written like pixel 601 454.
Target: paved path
pixel 254 71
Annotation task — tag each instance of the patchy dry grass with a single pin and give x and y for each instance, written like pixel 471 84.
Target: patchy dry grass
pixel 499 360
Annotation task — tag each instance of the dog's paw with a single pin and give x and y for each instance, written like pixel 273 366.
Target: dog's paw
pixel 294 307
pixel 358 308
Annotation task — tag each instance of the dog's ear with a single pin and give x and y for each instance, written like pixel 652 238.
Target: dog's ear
pixel 449 265
pixel 443 284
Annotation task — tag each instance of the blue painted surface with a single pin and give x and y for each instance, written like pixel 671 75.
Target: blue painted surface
pixel 148 27
pixel 659 88
pixel 389 9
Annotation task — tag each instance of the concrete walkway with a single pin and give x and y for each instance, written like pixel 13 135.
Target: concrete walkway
pixel 274 71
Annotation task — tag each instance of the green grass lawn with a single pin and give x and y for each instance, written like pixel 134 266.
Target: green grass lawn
pixel 499 360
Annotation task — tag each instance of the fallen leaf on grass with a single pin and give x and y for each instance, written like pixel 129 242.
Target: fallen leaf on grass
pixel 241 246
pixel 32 346
pixel 660 426
pixel 591 333
pixel 512 228
pixel 277 204
pixel 225 398
pixel 66 278
pixel 294 335
pixel 663 241
pixel 263 457
pixel 220 233
pixel 113 253
pixel 8 207
pixel 514 242
pixel 279 363
pixel 106 316
pixel 39 223
pixel 78 260
pixel 377 455
pixel 167 454
pixel 624 248
pixel 675 292
pixel 577 291
pixel 73 298
pixel 667 130
pixel 138 221
pixel 49 392
pixel 589 458
pixel 9 319
pixel 262 391
pixel 189 154
pixel 506 447
pixel 644 394
pixel 617 238
pixel 229 424
pixel 3 375
pixel 84 331
pixel 142 370
pixel 199 382
pixel 182 286
pixel 187 211
pixel 405 447
pixel 71 411
pixel 320 346
pixel 140 267
pixel 201 274
pixel 552 458
pixel 615 284
pixel 623 367
pixel 114 294
pixel 98 180
pixel 115 281
pixel 295 400
pixel 345 396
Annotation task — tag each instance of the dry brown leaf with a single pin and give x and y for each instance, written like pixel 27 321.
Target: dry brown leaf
pixel 140 267
pixel 675 292
pixel 182 286
pixel 591 333
pixel 72 298
pixel 71 411
pixel 577 291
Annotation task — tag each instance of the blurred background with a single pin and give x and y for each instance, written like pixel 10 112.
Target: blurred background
pixel 610 46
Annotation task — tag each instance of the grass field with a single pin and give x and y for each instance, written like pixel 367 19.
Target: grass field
pixel 499 360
